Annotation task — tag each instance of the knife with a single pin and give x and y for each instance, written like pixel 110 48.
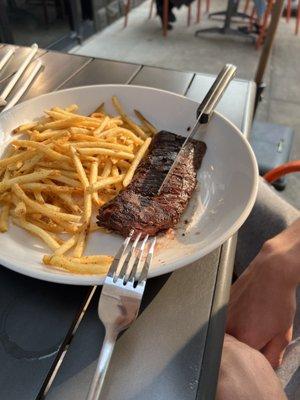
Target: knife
pixel 205 111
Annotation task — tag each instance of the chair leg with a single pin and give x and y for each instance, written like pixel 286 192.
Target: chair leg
pixel 264 25
pixel 297 19
pixel 207 6
pixel 165 17
pixel 189 15
pixel 199 11
pixel 246 6
pixel 151 9
pixel 252 17
pixel 127 9
pixel 288 10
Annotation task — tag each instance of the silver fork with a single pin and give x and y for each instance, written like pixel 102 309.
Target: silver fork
pixel 120 299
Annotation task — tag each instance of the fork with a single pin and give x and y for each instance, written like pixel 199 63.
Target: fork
pixel 120 299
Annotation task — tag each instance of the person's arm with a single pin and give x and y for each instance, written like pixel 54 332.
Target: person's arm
pixel 262 301
pixel 245 374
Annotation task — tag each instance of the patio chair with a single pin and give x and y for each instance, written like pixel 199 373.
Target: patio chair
pixel 166 7
pixel 282 170
pixel 297 19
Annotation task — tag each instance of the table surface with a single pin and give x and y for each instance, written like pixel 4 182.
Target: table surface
pixel 50 335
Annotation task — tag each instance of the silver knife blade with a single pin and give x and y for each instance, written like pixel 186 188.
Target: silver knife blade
pixel 205 111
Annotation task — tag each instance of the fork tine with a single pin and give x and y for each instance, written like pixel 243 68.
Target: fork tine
pixel 138 260
pixel 147 263
pixel 119 256
pixel 129 260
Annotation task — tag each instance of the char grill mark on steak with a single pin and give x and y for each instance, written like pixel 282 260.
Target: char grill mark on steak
pixel 139 207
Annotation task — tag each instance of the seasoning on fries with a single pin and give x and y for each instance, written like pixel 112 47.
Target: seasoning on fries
pixel 61 170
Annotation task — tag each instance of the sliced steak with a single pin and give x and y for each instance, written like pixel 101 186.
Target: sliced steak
pixel 138 206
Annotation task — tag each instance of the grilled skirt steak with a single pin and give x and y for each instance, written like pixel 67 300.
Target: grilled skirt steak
pixel 138 206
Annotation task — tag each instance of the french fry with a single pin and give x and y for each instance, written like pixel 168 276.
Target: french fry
pixel 79 168
pixel 53 155
pixel 27 155
pixel 123 164
pixel 72 108
pixel 67 226
pixel 107 169
pixel 128 120
pixel 103 125
pixel 67 164
pixel 69 202
pixel 42 208
pixel 75 130
pixel 31 163
pixel 80 245
pixel 59 113
pixel 145 122
pixel 96 259
pixel 48 226
pixel 38 196
pixel 49 134
pixel 25 127
pixel 100 109
pixel 32 177
pixel 105 182
pixel 20 209
pixel 78 267
pixel 103 144
pixel 78 137
pixel 121 131
pixel 61 124
pixel 140 154
pixel 50 188
pixel 106 152
pixel 4 216
pixel 93 179
pixel 56 165
pixel 36 230
pixel 66 246
pixel 68 181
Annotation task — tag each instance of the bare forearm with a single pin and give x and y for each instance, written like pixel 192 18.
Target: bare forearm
pixel 284 249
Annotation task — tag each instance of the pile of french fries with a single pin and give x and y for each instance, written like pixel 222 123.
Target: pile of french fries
pixel 66 166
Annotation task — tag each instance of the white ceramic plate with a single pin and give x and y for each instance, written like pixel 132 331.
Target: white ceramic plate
pixel 219 206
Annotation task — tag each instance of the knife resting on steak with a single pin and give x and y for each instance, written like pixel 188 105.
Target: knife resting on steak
pixel 139 207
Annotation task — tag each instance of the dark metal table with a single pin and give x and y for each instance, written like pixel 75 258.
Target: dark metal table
pixel 50 335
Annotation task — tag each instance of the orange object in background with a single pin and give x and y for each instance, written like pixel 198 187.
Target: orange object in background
pixel 284 169
pixel 198 11
pixel 264 25
pixel 207 6
pixel 297 19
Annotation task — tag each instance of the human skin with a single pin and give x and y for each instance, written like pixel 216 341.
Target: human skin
pixel 263 300
pixel 245 374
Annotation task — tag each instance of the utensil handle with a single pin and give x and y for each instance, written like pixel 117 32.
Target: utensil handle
pixel 17 75
pixel 37 66
pixel 6 58
pixel 215 93
pixel 102 366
